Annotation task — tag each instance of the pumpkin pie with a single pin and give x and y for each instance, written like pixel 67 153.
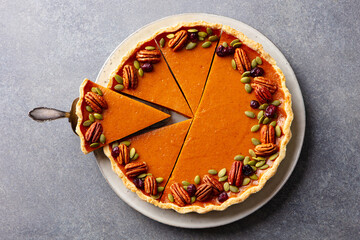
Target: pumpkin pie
pixel 105 116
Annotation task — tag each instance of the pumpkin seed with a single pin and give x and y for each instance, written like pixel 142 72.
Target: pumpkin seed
pixel 193 199
pixel 132 152
pixel 171 197
pixel 192 30
pixel 119 87
pixel 212 171
pixel 233 64
pixel 253 63
pixel 234 189
pixel 261 119
pixel 202 34
pixel 259 164
pixel 201 38
pixel 239 158
pixel 136 156
pixel 223 179
pixel 225 44
pixel 260 114
pixel 206 44
pixel 159 179
pixel 170 36
pixel 255 128
pixel 197 179
pixel 278 131
pixel 127 143
pixel 250 114
pixel 226 187
pixel 136 64
pixel 248 88
pixel 258 60
pixel 255 141
pixel 263 167
pixel 119 79
pixel 213 38
pixel 94 145
pixel 246 181
pixel 88 108
pixel 190 45
pixel 266 120
pixel 222 172
pixel 263 106
pixel 141 72
pixel 252 163
pixel 98 116
pixel 246 160
pixel 99 92
pixel 162 42
pixel 252 153
pixel 150 48
pixel 245 80
pixel 102 139
pixel 276 102
pixel 91 117
pixel 259 158
pixel 254 168
pixel 273 157
pixel 149 174
pixel 160 189
pixel 236 45
pixel 245 74
pixel 185 187
pixel 143 175
pixel 155 196
pixel 185 183
pixel 234 41
pixel 273 123
pixel 115 144
pixel 93 89
pixel 209 31
pixel 254 177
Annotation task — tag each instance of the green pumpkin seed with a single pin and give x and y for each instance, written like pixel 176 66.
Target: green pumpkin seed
pixel 118 79
pixel 254 177
pixel 266 120
pixel 149 174
pixel 278 131
pixel 212 172
pixel 223 179
pixel 94 145
pixel 91 117
pixel 143 175
pixel 254 168
pixel 185 183
pixel 251 163
pixel 206 44
pixel 209 31
pixel 233 64
pixel 185 187
pixel 192 30
pixel 115 144
pixel 264 167
pixel 248 88
pixel 201 38
pixel 171 197
pixel 253 63
pixel 258 60
pixel 160 189
pixel 245 80
pixel 126 143
pixel 259 158
pixel 259 164
pixel 261 119
pixel 252 153
pixel 246 181
pixel 119 87
pixel 260 114
pixel 98 116
pixel 236 45
pixel 255 141
pixel 273 157
pixel 276 102
pixel 202 34
pixel 273 123
pixel 226 187
pixel 246 160
pixel 263 106
pixel 162 42
pixel 93 89
pixel 88 108
pixel 234 189
pixel 250 114
pixel 193 199
pixel 191 45
pixel 239 158
pixel 170 36
pixel 234 41
pixel 136 64
pixel 150 48
pixel 255 128
pixel 159 179
pixel 155 196
pixel 197 179
pixel 222 172
pixel 245 74
pixel 213 38
pixel 225 44
pixel 132 152
pixel 102 138
pixel 136 156
pixel 99 92
pixel 141 72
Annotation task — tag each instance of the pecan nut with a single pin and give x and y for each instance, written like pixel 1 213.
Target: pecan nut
pixel 204 192
pixel 265 82
pixel 181 197
pixel 265 149
pixel 150 185
pixel 267 134
pixel 93 133
pixel 150 56
pixel 235 174
pixel 130 79
pixel 95 101
pixel 179 40
pixel 135 168
pixel 242 61
pixel 124 155
pixel 214 183
pixel 263 94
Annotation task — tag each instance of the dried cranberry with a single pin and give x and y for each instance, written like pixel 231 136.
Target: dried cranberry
pixel 256 72
pixel 191 189
pixel 221 51
pixel 139 183
pixel 115 152
pixel 247 170
pixel 270 111
pixel 254 104
pixel 147 67
pixel 223 197
pixel 230 50
pixel 193 36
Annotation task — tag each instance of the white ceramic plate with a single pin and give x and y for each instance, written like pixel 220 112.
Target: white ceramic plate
pixel 255 201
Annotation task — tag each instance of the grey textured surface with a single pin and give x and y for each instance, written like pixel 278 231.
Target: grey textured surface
pixel 50 190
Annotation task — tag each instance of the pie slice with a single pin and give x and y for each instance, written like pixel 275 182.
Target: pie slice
pixel 105 116
pixel 143 73
pixel 147 169
pixel 189 49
